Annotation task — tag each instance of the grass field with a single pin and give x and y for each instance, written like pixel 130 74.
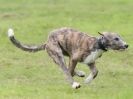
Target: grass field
pixel 34 76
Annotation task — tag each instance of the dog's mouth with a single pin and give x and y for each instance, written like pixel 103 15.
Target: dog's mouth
pixel 122 48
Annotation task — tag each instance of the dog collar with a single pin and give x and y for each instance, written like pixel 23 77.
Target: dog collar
pixel 101 45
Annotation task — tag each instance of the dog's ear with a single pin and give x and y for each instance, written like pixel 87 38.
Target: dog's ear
pixel 100 33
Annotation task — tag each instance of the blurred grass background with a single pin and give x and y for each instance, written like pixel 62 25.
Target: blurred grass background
pixel 34 76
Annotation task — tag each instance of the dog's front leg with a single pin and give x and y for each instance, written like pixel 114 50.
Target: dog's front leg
pixel 93 73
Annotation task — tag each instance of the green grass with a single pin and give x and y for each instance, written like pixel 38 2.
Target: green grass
pixel 34 76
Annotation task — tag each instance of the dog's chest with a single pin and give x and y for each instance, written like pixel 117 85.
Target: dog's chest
pixel 93 56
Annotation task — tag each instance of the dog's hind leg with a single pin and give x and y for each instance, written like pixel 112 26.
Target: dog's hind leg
pixel 93 73
pixel 56 54
pixel 72 65
pixel 73 60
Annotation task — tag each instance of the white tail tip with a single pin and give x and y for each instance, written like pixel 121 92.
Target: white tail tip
pixel 10 32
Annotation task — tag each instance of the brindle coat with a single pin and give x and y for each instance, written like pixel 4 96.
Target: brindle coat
pixel 78 46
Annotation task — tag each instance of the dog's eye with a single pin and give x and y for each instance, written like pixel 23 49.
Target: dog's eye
pixel 117 39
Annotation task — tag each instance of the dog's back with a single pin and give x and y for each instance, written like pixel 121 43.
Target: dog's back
pixel 71 40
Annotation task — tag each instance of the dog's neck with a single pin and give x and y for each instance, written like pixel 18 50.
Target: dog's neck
pixel 100 45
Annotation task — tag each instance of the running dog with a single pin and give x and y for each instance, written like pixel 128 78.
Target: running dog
pixel 78 46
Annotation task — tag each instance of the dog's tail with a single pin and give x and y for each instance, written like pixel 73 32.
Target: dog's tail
pixel 24 47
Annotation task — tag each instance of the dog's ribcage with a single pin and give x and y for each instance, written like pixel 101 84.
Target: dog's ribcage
pixel 93 56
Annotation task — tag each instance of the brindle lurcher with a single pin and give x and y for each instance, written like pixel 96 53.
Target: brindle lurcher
pixel 78 46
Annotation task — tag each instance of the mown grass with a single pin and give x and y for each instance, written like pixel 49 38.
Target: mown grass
pixel 34 76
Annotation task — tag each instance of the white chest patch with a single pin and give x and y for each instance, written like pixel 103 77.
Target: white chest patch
pixel 93 56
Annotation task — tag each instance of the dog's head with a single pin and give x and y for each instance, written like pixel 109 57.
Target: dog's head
pixel 113 41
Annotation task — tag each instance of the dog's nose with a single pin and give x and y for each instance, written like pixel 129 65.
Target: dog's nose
pixel 126 46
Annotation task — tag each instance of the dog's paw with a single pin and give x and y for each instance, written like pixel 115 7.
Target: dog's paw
pixel 80 73
pixel 89 79
pixel 76 85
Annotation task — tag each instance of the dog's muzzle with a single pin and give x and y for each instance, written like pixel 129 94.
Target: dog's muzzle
pixel 126 46
pixel 122 48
